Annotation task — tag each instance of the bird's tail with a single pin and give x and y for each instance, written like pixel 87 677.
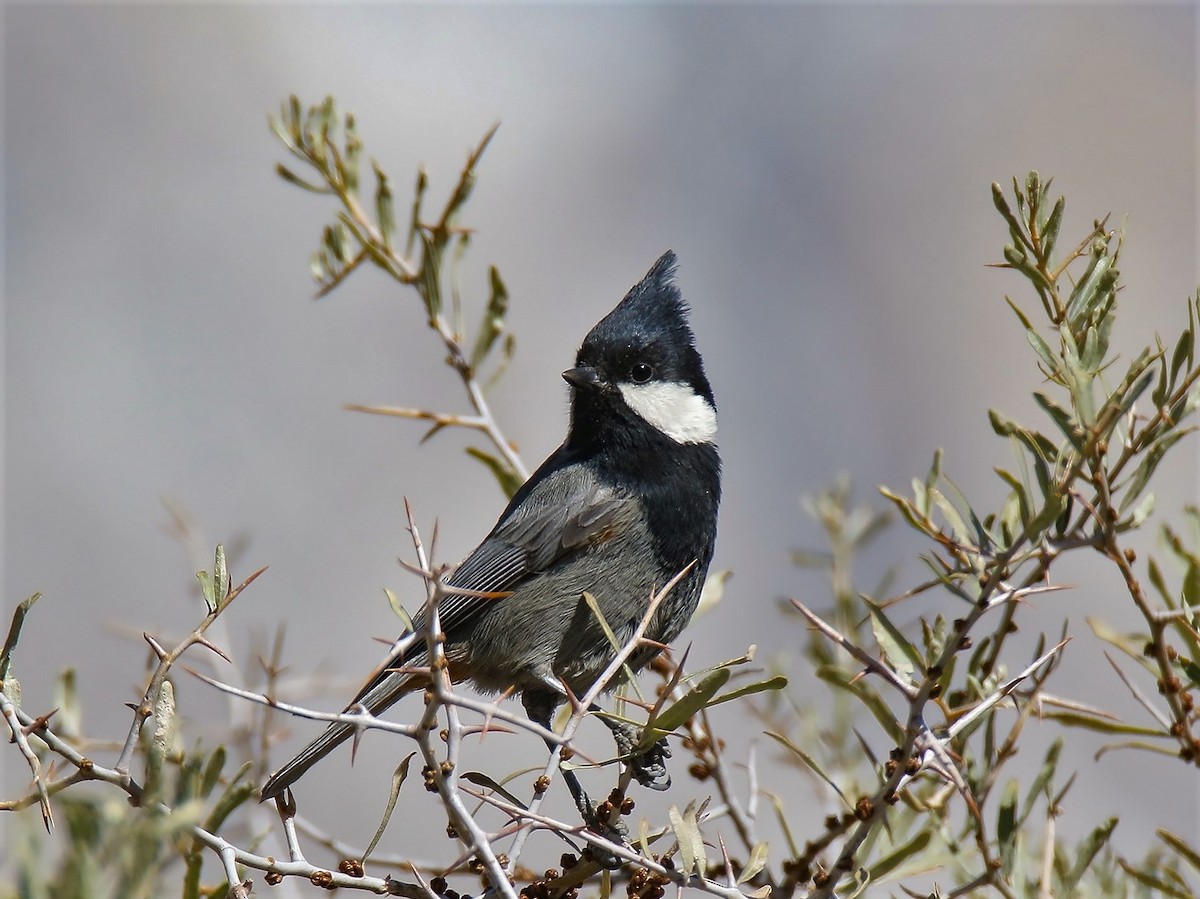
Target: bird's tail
pixel 383 689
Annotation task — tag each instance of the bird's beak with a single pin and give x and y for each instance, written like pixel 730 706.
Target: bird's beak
pixel 582 376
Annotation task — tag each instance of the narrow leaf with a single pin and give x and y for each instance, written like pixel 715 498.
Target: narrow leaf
pixel 14 633
pixel 1019 493
pixel 1015 227
pixel 492 325
pixel 758 861
pixel 212 772
pixel 900 854
pixel 900 653
pixel 809 763
pixel 1131 394
pixel 385 205
pixel 867 695
pixel 1053 364
pixel 1041 783
pixel 677 714
pixel 221 582
pixel 482 780
pixel 292 178
pixel 1006 827
pixel 691 843
pixel 772 683
pixel 235 795
pixel 207 590
pixel 1140 746
pixel 958 525
pixel 1137 517
pixel 1083 296
pixel 414 215
pixel 1186 852
pixel 908 511
pixel 1101 725
pixel 398 610
pixel 1051 228
pixel 1182 356
pixel 1150 461
pixel 594 605
pixel 1061 417
pixel 1045 518
pixel 398 778
pixel 1087 851
pixel 508 479
pixel 1147 878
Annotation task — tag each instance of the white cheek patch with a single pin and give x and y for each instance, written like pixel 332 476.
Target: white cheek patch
pixel 673 408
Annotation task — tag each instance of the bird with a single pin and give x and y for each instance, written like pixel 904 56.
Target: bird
pixel 624 505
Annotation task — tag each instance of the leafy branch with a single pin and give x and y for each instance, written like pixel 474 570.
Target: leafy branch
pixel 1079 484
pixel 331 148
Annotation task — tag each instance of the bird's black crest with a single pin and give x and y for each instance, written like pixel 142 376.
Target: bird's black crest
pixel 652 316
pixel 652 310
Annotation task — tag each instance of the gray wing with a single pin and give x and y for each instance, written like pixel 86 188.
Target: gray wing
pixel 566 512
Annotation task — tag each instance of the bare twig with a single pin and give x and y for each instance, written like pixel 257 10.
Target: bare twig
pixel 869 662
pixel 360 717
pixel 19 737
pixel 445 775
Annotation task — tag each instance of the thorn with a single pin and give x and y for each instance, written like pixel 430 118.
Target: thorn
pixel 419 670
pixel 642 641
pixel 484 729
pixel 571 697
pixel 158 650
pixel 39 723
pixel 415 569
pixel 487 717
pixel 270 668
pixel 637 703
pixel 207 644
pixel 233 594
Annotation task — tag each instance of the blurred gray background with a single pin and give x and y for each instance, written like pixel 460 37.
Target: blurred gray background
pixel 822 171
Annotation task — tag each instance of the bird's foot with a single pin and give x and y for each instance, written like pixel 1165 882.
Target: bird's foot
pixel 648 766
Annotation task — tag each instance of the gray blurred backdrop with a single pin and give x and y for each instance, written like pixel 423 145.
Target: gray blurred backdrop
pixel 822 171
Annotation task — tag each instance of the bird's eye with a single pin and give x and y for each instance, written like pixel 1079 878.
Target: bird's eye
pixel 641 373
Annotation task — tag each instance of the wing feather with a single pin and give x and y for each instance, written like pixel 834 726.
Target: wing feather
pixel 561 516
pixel 564 513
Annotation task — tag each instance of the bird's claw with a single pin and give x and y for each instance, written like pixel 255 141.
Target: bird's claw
pixel 649 766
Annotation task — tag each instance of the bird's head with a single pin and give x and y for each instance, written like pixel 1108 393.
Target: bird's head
pixel 639 368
